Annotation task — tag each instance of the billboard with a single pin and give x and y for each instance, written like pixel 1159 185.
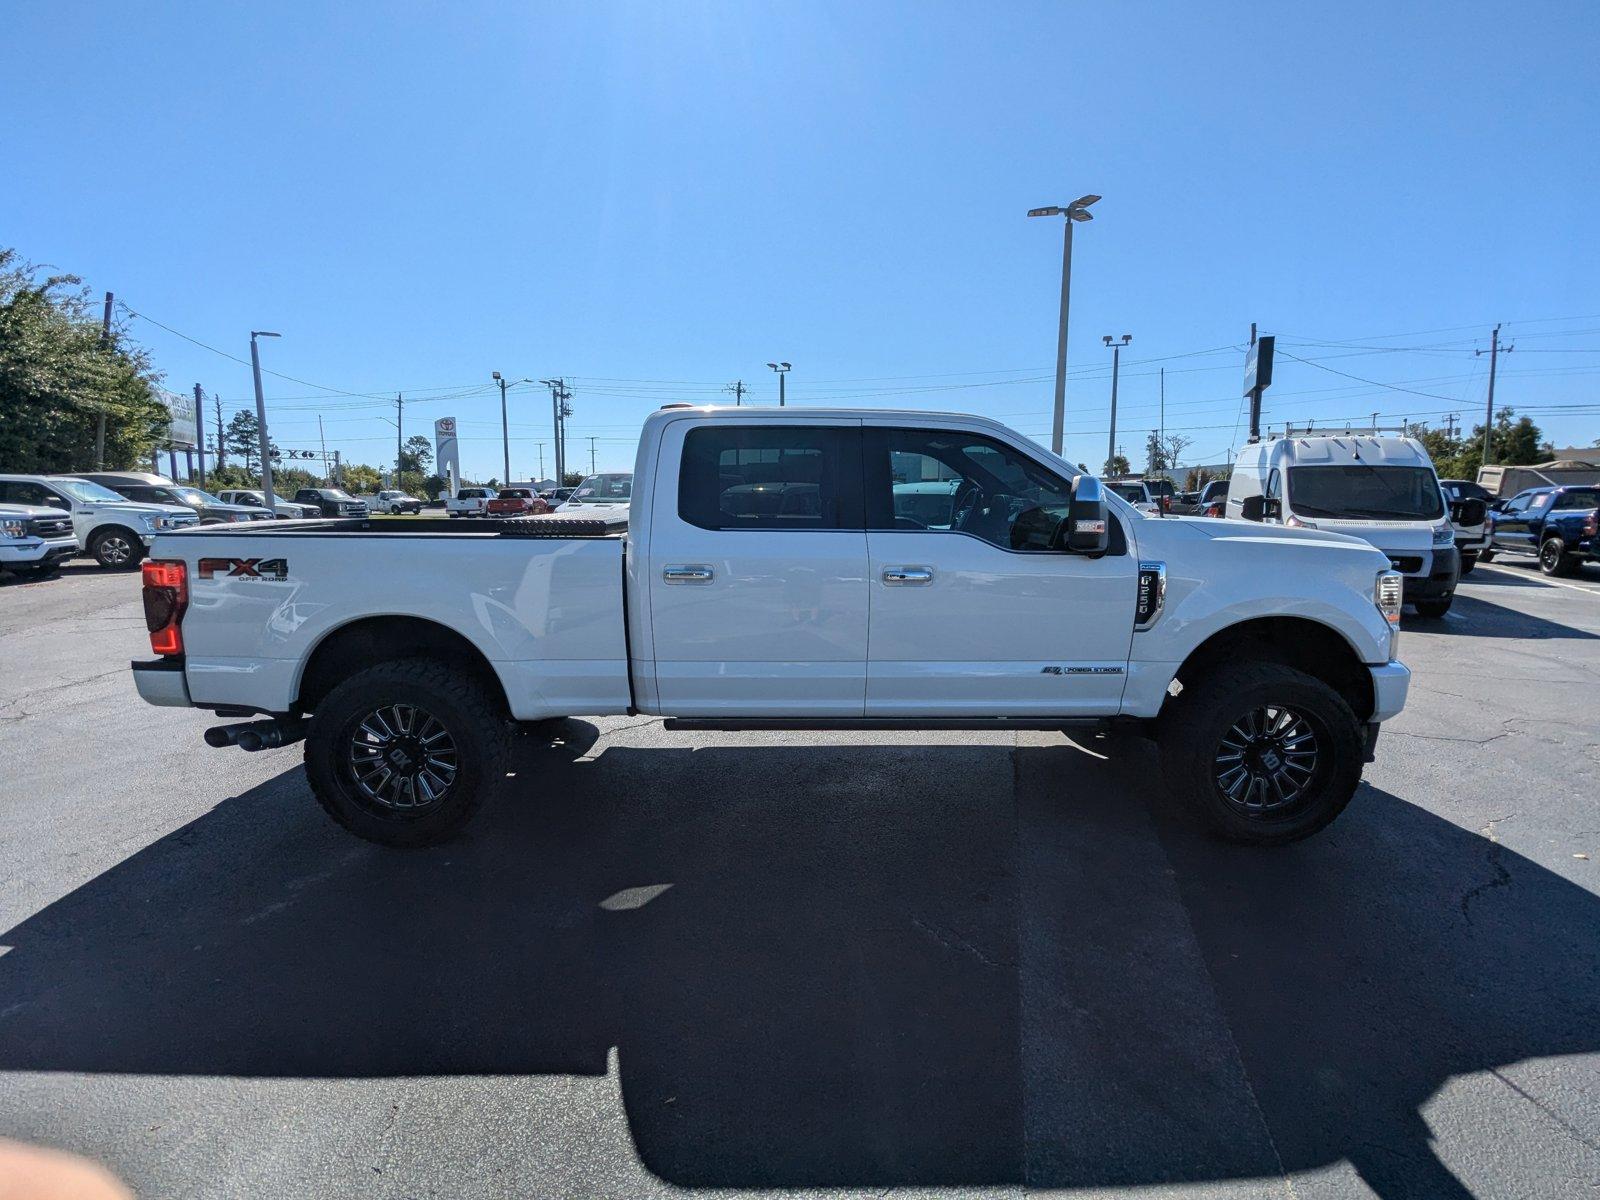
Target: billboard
pixel 183 427
pixel 446 455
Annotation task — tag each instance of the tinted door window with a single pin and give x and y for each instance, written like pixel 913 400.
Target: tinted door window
pixel 953 482
pixel 22 492
pixel 1578 500
pixel 773 477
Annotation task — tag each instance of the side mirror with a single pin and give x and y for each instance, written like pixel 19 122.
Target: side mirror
pixel 1085 531
pixel 1253 508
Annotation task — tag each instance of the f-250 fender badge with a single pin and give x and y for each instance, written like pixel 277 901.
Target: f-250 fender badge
pixel 245 568
pixel 1073 670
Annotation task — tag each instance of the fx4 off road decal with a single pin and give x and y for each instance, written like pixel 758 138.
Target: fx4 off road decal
pixel 244 568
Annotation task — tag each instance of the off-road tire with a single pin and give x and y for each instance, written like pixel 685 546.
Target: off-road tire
pixel 1191 731
pixel 116 548
pixel 457 700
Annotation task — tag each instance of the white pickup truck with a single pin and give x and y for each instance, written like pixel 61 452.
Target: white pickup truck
pixel 790 569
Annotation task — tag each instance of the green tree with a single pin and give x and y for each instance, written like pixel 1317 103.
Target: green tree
pixel 1155 454
pixel 358 477
pixel 417 456
pixel 573 478
pixel 243 440
pixel 1117 464
pixel 59 376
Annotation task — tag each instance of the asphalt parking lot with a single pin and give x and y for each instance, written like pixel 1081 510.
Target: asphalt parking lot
pixel 942 964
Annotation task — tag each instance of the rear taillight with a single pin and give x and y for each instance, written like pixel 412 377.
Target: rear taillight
pixel 166 595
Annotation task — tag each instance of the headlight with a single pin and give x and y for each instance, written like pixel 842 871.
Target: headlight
pixel 1294 522
pixel 14 529
pixel 151 521
pixel 1389 593
pixel 1444 535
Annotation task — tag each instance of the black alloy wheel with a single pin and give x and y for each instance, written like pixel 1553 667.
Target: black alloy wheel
pixel 1266 761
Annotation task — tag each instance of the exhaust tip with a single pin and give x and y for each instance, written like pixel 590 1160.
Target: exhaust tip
pixel 219 736
pixel 250 740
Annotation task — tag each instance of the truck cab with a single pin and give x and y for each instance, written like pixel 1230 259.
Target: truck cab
pixel 116 532
pixel 1382 489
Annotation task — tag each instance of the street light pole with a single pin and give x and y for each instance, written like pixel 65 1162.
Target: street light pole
pixel 261 417
pixel 1116 364
pixel 1078 210
pixel 782 368
pixel 505 431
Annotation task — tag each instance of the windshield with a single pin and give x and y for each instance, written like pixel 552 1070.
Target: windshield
pixel 1133 493
pixel 1366 493
pixel 601 488
pixel 336 494
pixel 82 489
pixel 191 495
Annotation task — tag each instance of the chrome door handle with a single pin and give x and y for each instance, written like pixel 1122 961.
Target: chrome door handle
pixel 687 573
pixel 907 576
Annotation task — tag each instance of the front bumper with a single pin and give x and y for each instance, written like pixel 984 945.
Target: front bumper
pixel 1472 545
pixel 162 683
pixel 1441 579
pixel 1390 683
pixel 32 552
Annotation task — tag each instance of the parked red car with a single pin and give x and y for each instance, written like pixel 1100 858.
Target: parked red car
pixel 517 502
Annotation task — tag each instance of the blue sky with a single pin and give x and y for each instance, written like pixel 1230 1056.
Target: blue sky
pixel 656 199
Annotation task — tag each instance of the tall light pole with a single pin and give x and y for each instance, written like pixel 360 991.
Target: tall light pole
pixel 1078 210
pixel 1116 364
pixel 782 368
pixel 261 416
pixel 505 429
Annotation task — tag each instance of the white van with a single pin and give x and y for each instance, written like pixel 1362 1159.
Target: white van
pixel 1378 487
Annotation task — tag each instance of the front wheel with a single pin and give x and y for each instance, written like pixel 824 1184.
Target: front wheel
pixel 1266 754
pixel 1434 609
pixel 1468 561
pixel 405 753
pixel 116 548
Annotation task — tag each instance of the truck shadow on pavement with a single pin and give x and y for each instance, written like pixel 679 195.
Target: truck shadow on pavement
pixel 846 965
pixel 1473 616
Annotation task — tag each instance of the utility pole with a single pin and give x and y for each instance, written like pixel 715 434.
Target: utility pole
pixel 322 438
pixel 261 419
pixel 738 389
pixel 1116 366
pixel 560 411
pixel 1495 350
pixel 200 431
pixel 221 456
pixel 541 460
pixel 1078 210
pixel 100 425
pixel 1161 439
pixel 399 419
pixel 593 470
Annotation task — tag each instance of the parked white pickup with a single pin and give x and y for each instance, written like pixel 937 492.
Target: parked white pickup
pixel 817 569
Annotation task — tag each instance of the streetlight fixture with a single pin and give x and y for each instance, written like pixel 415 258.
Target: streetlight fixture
pixel 1116 364
pixel 782 368
pixel 1078 210
pixel 261 417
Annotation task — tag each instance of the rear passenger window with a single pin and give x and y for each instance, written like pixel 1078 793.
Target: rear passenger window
pixel 771 477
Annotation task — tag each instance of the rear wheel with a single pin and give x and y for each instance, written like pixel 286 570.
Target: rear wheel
pixel 1264 753
pixel 1468 561
pixel 1554 559
pixel 1434 609
pixel 1485 555
pixel 117 548
pixel 405 753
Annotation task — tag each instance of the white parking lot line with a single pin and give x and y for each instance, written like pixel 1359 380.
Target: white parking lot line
pixel 1539 580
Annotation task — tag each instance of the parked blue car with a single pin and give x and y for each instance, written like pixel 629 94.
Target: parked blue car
pixel 1554 526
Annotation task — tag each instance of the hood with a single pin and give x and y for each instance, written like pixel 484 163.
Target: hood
pixel 1386 535
pixel 31 510
pixel 136 506
pixel 1260 532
